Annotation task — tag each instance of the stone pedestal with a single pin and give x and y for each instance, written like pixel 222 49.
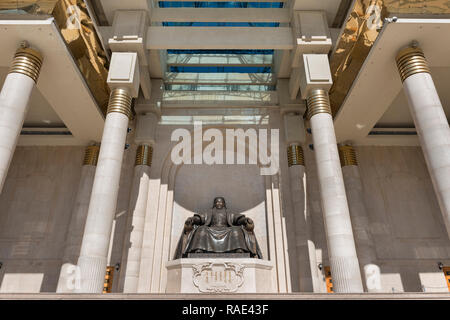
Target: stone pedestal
pixel 227 275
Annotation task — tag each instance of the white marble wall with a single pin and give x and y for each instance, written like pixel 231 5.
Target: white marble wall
pixel 35 209
pixel 404 218
pixel 405 221
pixel 403 213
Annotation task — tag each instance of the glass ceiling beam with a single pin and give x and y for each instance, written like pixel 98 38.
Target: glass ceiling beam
pixel 219 78
pixel 219 60
pixel 220 15
pixel 215 99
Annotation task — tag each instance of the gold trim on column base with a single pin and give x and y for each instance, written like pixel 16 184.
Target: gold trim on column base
pixel 28 62
pixel 144 155
pixel 411 60
pixel 317 102
pixel 91 156
pixel 295 155
pixel 347 155
pixel 120 101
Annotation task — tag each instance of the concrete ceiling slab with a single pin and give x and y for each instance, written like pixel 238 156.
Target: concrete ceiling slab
pixel 398 114
pixel 40 112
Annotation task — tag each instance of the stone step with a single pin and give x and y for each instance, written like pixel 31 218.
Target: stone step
pixel 291 296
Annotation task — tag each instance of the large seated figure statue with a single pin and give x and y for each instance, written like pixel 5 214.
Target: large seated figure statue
pixel 218 231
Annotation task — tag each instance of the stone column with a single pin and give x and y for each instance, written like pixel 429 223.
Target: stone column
pixel 14 97
pixel 341 245
pixel 102 206
pixel 67 278
pixel 364 244
pixel 136 218
pixel 306 251
pixel 430 121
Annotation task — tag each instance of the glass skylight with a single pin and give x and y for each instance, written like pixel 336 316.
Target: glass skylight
pixel 219 70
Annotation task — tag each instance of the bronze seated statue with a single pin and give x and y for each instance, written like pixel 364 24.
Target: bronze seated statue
pixel 218 231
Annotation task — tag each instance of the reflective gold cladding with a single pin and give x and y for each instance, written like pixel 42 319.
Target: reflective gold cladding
pixel 411 61
pixel 28 62
pixel 361 30
pixel 318 102
pixel 295 155
pixel 144 155
pixel 120 101
pixel 347 155
pixel 91 156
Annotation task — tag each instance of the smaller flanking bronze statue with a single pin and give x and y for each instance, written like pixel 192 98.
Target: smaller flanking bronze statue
pixel 218 231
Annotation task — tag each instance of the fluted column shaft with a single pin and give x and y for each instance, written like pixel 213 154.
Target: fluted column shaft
pixel 136 218
pixel 306 251
pixel 102 206
pixel 364 245
pixel 67 281
pixel 430 121
pixel 341 245
pixel 14 98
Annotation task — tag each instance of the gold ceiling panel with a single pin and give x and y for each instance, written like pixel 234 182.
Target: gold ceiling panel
pixel 360 32
pixel 86 48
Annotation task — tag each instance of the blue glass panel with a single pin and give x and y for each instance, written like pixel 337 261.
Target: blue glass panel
pixel 201 87
pixel 220 69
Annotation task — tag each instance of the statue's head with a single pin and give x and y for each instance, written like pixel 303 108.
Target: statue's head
pixel 219 203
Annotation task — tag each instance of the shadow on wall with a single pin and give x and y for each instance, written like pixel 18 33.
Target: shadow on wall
pixel 35 208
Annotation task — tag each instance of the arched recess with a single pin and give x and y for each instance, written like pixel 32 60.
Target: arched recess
pixel 262 204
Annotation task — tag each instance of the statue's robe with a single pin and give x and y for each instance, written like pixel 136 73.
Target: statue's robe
pixel 218 232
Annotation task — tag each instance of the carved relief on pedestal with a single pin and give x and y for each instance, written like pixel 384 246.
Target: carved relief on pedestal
pixel 218 277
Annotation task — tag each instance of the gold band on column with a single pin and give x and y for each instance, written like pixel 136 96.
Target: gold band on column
pixel 295 155
pixel 144 155
pixel 28 62
pixel 347 155
pixel 91 156
pixel 317 102
pixel 120 101
pixel 411 60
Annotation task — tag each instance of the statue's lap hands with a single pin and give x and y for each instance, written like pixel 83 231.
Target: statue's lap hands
pixel 189 224
pixel 249 224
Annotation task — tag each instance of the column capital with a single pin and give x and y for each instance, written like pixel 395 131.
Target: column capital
pixel 295 155
pixel 411 60
pixel 27 61
pixel 347 155
pixel 317 102
pixel 144 155
pixel 120 101
pixel 91 155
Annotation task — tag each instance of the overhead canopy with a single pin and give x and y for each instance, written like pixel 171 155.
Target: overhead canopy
pixel 78 32
pixel 360 32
